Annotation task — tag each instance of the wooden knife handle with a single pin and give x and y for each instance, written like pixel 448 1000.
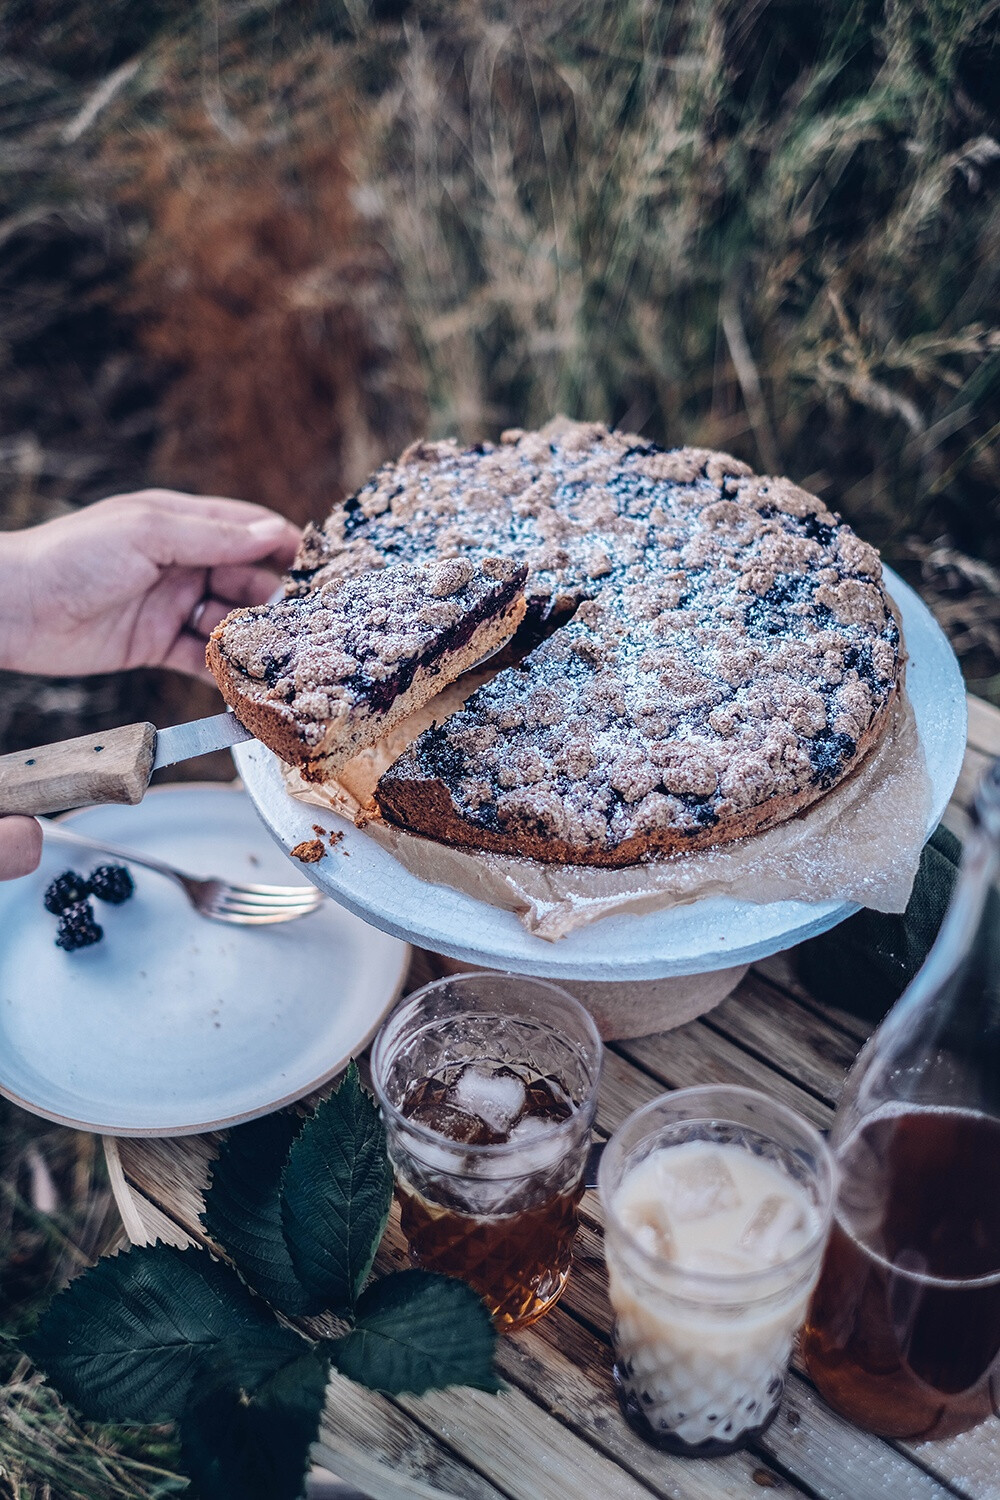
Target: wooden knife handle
pixel 113 766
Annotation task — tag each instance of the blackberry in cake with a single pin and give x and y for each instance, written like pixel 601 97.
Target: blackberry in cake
pixel 712 650
pixel 322 676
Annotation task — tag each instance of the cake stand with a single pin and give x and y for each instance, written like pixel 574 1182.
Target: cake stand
pixel 700 938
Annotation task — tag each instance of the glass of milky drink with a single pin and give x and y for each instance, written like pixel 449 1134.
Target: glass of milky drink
pixel 717 1204
pixel 488 1084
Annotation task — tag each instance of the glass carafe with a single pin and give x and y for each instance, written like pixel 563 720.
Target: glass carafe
pixel 903 1331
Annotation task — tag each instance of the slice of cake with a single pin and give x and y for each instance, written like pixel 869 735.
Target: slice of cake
pixel 319 678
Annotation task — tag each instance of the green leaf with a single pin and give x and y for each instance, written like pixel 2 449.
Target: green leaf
pixel 243 1209
pixel 246 1436
pixel 336 1194
pixel 416 1331
pixel 124 1341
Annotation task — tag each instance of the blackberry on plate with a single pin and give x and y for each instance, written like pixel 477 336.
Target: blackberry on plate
pixel 68 889
pixel 77 928
pixel 111 883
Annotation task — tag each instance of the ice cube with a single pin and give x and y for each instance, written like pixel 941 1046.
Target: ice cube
pixel 454 1124
pixel 496 1098
pixel 533 1128
pixel 540 1137
pixel 696 1186
pixel 649 1222
pixel 774 1231
pixel 655 1239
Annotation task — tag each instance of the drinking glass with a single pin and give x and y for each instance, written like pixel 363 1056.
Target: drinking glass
pixel 488 1085
pixel 710 1266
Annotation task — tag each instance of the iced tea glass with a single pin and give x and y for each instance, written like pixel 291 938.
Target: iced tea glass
pixel 717 1205
pixel 488 1085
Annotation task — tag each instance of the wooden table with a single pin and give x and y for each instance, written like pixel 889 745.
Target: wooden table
pixel 556 1432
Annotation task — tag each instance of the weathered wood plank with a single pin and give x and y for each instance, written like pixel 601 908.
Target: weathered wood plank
pixel 624 1088
pixel 368 1441
pixel 973 767
pixel 971 1461
pixel 779 970
pixel 838 1461
pixel 696 1054
pixel 510 1435
pixel 772 1025
pixel 984 726
pixel 566 1367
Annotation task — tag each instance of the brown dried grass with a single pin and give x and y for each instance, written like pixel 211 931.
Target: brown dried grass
pixel 263 294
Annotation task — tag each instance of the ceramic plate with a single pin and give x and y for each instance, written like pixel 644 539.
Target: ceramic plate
pixel 716 933
pixel 175 1024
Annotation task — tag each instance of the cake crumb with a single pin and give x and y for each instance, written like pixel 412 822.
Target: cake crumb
pixel 309 851
pixel 334 838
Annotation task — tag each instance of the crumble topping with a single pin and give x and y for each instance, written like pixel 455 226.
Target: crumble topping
pixel 360 639
pixel 723 639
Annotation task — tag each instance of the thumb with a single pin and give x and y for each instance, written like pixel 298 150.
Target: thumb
pixel 192 541
pixel 20 846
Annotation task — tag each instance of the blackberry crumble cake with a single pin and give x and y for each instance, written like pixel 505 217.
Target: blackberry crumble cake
pixel 320 677
pixel 708 651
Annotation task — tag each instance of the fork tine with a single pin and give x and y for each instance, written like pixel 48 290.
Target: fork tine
pixel 269 903
pixel 272 890
pixel 272 911
pixel 243 919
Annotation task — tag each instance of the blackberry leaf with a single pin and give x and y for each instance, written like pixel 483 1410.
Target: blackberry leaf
pixel 416 1331
pixel 245 1435
pixel 336 1193
pixel 124 1341
pixel 243 1209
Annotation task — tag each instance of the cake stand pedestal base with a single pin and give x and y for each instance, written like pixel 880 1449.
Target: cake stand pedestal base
pixel 636 1007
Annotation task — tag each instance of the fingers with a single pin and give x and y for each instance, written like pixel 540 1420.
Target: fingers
pixel 185 531
pixel 216 507
pixel 193 541
pixel 20 846
pixel 228 589
pixel 242 585
pixel 187 654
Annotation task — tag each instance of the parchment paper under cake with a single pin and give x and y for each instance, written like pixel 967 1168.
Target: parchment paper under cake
pixel 860 843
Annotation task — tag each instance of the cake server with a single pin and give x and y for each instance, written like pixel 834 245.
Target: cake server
pixel 113 765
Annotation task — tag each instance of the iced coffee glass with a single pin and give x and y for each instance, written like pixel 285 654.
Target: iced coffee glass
pixel 717 1204
pixel 488 1084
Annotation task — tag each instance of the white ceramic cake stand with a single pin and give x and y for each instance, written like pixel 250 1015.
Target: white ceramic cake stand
pixel 704 936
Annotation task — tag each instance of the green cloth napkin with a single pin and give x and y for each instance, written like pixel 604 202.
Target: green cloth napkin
pixel 865 964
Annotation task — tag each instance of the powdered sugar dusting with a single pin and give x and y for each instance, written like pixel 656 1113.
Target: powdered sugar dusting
pixel 360 640
pixel 730 641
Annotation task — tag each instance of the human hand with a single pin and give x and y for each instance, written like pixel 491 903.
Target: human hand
pixel 20 847
pixel 134 581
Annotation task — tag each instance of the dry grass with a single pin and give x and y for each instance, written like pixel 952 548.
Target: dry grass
pixel 57 1216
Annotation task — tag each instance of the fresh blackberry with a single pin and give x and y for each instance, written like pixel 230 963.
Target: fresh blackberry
pixel 77 928
pixel 67 890
pixel 111 883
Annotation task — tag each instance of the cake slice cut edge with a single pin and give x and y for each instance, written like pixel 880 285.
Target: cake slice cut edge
pixel 320 678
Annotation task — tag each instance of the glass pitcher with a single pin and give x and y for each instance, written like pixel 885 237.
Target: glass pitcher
pixel 903 1331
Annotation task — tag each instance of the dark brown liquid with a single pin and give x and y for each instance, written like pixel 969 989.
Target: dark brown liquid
pixel 903 1332
pixel 517 1260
